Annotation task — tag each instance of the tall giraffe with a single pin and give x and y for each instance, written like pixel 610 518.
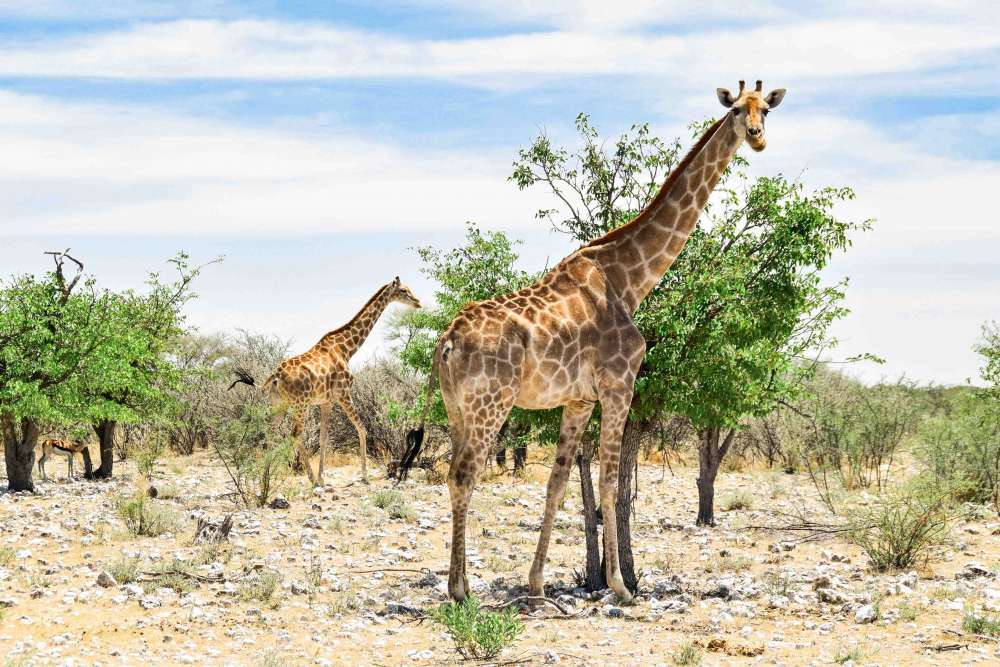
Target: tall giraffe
pixel 569 340
pixel 321 376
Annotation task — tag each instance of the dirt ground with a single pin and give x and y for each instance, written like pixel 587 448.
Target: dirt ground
pixel 352 576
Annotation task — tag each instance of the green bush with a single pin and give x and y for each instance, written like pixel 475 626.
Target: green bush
pixel 125 570
pixel 142 517
pixel 903 528
pixel 962 449
pixel 740 500
pixel 980 624
pixel 477 633
pixel 394 504
pixel 260 588
pixel 148 454
pixel 255 458
pixel 855 431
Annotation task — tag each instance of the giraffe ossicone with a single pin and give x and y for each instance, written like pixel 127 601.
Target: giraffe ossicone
pixel 569 340
pixel 322 376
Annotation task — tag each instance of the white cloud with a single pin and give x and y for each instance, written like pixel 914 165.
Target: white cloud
pixel 273 50
pixel 108 169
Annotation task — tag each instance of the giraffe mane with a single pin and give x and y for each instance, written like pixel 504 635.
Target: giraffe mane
pixel 668 185
pixel 360 312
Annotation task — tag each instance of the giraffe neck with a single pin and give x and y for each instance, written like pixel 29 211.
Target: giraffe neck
pixel 636 255
pixel 347 339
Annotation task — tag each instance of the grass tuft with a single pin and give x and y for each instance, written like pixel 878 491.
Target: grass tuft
pixel 142 517
pixel 981 624
pixel 687 655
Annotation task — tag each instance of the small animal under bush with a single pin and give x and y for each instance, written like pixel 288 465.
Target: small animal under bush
pixel 478 633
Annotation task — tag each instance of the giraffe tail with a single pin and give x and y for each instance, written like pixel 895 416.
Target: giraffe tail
pixel 415 438
pixel 242 376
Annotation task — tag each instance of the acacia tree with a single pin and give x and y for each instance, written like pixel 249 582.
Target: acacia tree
pixel 729 326
pixel 71 353
pixel 135 379
pixel 51 329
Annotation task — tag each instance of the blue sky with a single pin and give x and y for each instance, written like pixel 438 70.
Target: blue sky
pixel 314 144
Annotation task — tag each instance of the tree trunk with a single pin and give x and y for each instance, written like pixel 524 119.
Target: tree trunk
pixel 631 441
pixel 520 458
pixel 105 431
pixel 19 452
pixel 710 455
pixel 594 574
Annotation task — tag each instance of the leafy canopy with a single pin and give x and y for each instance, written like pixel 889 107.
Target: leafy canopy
pixel 77 353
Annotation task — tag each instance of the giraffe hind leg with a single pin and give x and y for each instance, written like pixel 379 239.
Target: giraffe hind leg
pixel 352 415
pixel 298 437
pixel 324 437
pixel 478 434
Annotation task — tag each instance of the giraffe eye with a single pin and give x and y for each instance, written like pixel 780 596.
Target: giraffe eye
pixel 736 111
pixel 764 111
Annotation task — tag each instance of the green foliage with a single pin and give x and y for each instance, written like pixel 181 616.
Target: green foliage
pixel 125 570
pixel 740 500
pixel 143 517
pixel 855 431
pixel 256 459
pixel 903 528
pixel 852 654
pixel 171 574
pixel 981 624
pixel 260 588
pixel 989 349
pixel 477 633
pixel 394 504
pixel 963 450
pixel 598 188
pixel 960 445
pixel 731 325
pixel 147 454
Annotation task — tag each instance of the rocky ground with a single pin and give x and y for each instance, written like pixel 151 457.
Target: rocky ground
pixel 349 577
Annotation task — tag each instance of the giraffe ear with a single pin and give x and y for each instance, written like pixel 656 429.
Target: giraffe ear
pixel 725 97
pixel 774 97
pixel 395 280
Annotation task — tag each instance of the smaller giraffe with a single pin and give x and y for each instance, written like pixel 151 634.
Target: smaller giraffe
pixel 68 448
pixel 321 376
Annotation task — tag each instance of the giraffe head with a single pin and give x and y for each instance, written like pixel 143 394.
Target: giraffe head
pixel 401 293
pixel 749 108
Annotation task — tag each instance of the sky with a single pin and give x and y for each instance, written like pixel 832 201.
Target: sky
pixel 315 145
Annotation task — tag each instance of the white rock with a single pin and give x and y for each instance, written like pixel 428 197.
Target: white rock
pixel 865 614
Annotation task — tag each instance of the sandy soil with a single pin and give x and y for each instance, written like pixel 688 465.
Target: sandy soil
pixel 340 602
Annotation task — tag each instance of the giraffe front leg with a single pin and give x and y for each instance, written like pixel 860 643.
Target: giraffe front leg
pixel 574 421
pixel 614 412
pixel 324 437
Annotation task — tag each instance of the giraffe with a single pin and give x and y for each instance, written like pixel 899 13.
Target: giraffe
pixel 321 376
pixel 569 340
